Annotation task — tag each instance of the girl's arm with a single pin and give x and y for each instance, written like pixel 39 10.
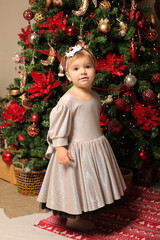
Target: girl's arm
pixel 63 156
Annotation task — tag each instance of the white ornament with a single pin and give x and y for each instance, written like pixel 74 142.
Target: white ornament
pixel 108 100
pixel 130 80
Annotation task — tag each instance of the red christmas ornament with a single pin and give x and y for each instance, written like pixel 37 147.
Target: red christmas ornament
pixel 121 104
pixel 34 117
pixel 152 35
pixel 33 130
pixel 114 126
pixel 155 78
pixel 7 157
pixel 124 11
pixel 127 108
pixel 148 95
pixel 20 138
pixel 71 31
pixel 143 155
pixel 28 14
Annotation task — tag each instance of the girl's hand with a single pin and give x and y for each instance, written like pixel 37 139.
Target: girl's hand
pixel 63 156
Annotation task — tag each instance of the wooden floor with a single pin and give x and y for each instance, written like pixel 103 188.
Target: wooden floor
pixel 15 204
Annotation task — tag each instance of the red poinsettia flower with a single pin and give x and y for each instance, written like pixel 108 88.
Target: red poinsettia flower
pixel 113 64
pixel 25 35
pixel 146 117
pixel 43 84
pixel 103 120
pixel 58 22
pixel 14 112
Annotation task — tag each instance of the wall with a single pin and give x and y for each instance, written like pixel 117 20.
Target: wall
pixel 11 22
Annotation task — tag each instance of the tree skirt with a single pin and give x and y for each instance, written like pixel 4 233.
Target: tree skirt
pixel 136 216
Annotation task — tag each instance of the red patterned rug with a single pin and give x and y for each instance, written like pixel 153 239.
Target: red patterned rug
pixel 136 216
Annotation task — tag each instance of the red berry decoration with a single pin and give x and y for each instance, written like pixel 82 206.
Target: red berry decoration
pixel 155 78
pixel 121 104
pixel 148 95
pixel 34 117
pixel 28 14
pixel 114 126
pixel 71 31
pixel 143 155
pixel 7 157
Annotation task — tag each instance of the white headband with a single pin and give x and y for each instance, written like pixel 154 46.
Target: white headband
pixel 71 53
pixel 75 49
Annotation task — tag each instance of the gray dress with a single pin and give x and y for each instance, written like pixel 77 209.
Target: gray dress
pixel 94 179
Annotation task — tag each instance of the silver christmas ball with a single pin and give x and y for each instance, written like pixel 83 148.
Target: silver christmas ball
pixel 34 36
pixel 130 80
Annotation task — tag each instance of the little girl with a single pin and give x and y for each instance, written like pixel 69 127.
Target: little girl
pixel 83 175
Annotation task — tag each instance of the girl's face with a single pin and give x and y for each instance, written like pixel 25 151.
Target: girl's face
pixel 81 72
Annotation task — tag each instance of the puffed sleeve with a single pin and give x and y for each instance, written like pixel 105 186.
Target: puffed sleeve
pixel 60 127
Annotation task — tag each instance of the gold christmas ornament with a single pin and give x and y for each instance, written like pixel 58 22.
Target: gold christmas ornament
pixel 123 29
pixel 105 4
pixel 82 10
pixel 104 26
pixel 33 61
pixel 48 3
pixel 23 79
pixel 51 57
pixel 15 92
pixel 153 20
pixel 158 97
pixel 33 130
pixel 26 103
pixel 39 17
pixel 61 72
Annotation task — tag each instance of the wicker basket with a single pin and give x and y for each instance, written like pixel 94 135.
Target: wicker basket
pixel 28 183
pixel 127 175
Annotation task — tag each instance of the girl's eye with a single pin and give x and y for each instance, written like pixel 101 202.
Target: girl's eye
pixel 75 69
pixel 88 66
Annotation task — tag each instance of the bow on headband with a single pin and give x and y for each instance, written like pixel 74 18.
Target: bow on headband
pixel 73 51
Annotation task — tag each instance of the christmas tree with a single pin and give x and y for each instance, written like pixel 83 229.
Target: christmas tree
pixel 122 37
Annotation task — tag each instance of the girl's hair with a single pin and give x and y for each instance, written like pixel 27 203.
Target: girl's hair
pixel 75 54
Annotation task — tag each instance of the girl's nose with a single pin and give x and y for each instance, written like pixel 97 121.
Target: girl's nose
pixel 83 71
